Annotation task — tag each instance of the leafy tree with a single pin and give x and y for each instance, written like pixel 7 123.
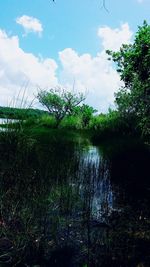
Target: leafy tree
pixel 133 64
pixel 60 102
pixel 87 114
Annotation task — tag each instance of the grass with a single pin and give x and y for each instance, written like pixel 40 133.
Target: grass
pixel 103 127
pixel 72 122
pixel 38 196
pixel 20 113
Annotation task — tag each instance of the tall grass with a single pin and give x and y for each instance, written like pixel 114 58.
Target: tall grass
pixel 72 122
pixel 112 125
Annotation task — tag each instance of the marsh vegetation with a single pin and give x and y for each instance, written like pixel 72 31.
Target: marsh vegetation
pixel 68 202
pixel 74 184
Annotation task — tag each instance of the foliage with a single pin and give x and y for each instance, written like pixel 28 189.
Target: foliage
pixel 72 122
pixel 104 121
pixel 133 65
pixel 20 113
pixel 47 189
pixel 86 112
pixel 48 121
pixel 60 102
pixel 29 122
pixel 111 125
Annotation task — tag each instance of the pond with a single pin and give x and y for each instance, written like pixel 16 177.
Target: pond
pixel 4 122
pixel 68 202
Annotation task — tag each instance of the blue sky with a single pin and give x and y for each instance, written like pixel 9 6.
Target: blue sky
pixel 45 44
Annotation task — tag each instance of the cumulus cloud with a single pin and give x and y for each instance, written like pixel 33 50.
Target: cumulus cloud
pixel 30 24
pixel 92 75
pixel 95 74
pixel 113 38
pixel 18 68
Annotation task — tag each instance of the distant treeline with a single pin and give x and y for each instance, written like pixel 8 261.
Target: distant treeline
pixel 17 113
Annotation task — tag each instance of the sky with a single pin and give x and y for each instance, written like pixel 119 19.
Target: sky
pixel 46 44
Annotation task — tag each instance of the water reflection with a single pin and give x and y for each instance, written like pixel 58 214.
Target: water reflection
pixel 3 120
pixel 61 205
pixel 99 185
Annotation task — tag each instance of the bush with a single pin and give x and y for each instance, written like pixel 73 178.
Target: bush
pixel 30 122
pixel 97 122
pixel 48 121
pixel 72 122
pixel 112 125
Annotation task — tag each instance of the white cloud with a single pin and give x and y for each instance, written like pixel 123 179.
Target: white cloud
pixel 30 24
pixel 113 38
pixel 93 74
pixel 18 68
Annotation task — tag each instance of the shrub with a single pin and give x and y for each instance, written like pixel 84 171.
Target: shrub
pixel 48 121
pixel 72 122
pixel 111 125
pixel 30 122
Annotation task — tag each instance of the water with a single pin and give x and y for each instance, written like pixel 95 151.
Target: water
pixel 6 121
pixel 66 202
pixel 3 121
pixel 99 184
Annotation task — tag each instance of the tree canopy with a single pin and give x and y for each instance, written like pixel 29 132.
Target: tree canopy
pixel 60 102
pixel 133 65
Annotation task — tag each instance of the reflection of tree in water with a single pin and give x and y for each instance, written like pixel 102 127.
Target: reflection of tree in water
pixel 56 201
pixel 95 183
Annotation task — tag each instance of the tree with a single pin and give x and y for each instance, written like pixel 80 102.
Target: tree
pixel 133 64
pixel 60 102
pixel 86 113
